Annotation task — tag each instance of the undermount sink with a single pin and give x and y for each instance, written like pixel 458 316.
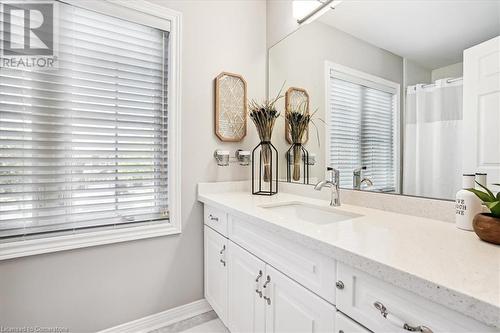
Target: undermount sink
pixel 309 213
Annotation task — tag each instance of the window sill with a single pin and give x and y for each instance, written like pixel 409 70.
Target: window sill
pixel 23 248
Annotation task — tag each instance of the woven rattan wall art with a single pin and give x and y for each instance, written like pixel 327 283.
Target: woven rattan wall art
pixel 230 107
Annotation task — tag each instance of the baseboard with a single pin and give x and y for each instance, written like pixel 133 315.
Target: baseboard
pixel 161 319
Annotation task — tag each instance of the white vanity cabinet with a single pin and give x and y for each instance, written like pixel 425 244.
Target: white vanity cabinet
pixel 216 272
pixel 250 295
pixel 257 280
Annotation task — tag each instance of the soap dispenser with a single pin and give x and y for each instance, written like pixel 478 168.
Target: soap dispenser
pixel 467 204
pixel 481 178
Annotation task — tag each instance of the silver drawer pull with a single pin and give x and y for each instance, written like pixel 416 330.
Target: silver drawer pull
pixel 223 262
pixel 267 282
pixel 266 298
pixel 259 292
pixel 258 276
pixel 213 218
pixel 399 322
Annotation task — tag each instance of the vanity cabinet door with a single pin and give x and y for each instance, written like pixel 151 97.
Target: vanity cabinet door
pixel 216 272
pixel 246 308
pixel 292 308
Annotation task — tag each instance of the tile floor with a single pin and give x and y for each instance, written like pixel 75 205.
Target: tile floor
pixel 205 323
pixel 212 326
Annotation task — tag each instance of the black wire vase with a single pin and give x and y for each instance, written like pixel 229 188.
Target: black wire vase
pixel 297 163
pixel 264 169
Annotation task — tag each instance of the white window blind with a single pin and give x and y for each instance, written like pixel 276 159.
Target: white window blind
pixel 362 131
pixel 86 145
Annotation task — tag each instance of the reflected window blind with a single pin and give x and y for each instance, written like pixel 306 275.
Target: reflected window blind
pixel 86 145
pixel 362 132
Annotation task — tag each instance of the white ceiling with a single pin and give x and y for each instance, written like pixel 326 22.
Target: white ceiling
pixel 431 33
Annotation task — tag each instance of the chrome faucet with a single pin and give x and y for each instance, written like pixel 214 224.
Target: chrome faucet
pixel 333 183
pixel 358 180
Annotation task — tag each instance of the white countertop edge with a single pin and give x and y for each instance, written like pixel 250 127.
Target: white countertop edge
pixel 465 304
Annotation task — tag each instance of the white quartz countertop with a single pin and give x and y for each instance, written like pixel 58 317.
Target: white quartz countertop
pixel 431 258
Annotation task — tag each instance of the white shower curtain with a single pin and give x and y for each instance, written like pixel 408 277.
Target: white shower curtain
pixel 433 140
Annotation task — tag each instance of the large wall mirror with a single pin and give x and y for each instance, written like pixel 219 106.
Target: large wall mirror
pixel 386 79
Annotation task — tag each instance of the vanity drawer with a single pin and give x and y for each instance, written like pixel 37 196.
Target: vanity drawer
pixel 311 269
pixel 361 292
pixel 216 219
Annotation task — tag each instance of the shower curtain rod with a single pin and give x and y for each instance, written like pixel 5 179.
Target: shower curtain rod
pixel 447 81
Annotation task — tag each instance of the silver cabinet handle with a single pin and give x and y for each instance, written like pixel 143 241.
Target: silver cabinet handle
pixel 268 299
pixel 213 218
pixel 267 282
pixel 258 276
pixel 399 322
pixel 223 262
pixel 339 284
pixel 259 292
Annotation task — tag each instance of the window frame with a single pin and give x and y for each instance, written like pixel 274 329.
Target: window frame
pixel 135 11
pixel 374 82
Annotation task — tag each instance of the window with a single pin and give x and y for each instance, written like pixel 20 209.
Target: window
pixel 363 127
pixel 90 144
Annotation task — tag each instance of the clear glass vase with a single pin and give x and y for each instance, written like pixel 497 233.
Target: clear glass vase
pixel 265 169
pixel 297 163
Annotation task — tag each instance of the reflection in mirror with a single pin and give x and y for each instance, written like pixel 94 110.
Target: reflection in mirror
pixel 386 78
pixel 296 98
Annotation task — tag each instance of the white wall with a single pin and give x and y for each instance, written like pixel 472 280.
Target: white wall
pixel 299 60
pixel 453 71
pixel 415 74
pixel 94 288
